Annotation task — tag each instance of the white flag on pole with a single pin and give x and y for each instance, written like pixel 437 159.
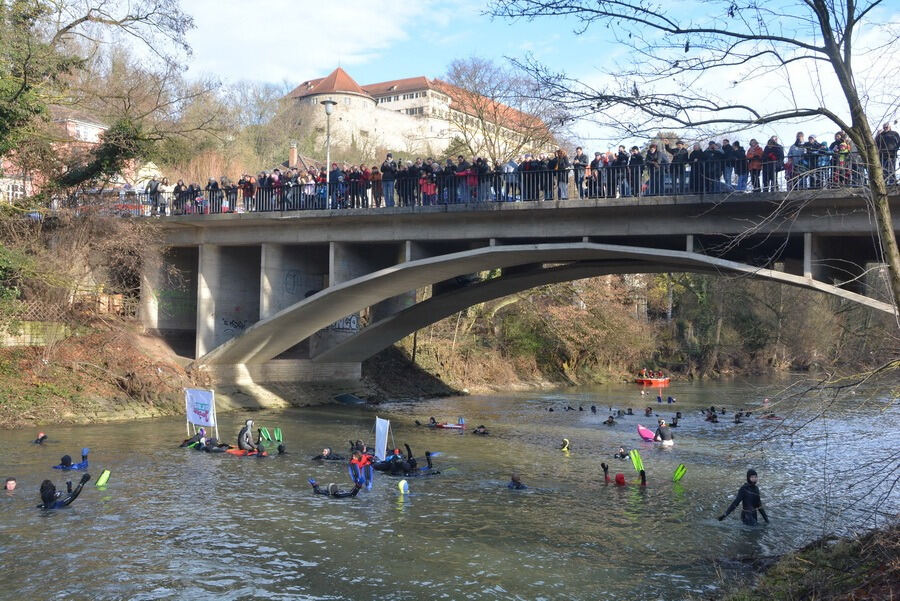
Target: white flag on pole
pixel 381 433
pixel 200 406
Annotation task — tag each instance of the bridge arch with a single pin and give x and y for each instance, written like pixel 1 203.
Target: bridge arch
pixel 269 337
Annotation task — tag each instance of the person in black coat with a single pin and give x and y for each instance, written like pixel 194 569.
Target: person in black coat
pixel 695 160
pixel 888 143
pixel 579 165
pixel 635 171
pixel 679 162
pixel 619 169
pixel 773 162
pixel 652 160
pixel 713 167
pixel 727 164
pixel 739 158
pixel 595 182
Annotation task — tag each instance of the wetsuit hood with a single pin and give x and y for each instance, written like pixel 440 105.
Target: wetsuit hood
pixel 750 472
pixel 65 460
pixel 48 493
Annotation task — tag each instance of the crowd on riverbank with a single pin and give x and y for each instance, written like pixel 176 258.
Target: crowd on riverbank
pixel 663 167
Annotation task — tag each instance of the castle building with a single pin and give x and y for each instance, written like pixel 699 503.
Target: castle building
pixel 415 116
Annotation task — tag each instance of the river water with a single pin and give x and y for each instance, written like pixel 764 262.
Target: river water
pixel 179 524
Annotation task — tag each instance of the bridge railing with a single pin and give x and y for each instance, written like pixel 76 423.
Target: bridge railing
pixel 709 179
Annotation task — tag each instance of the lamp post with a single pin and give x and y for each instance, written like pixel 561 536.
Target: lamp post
pixel 329 108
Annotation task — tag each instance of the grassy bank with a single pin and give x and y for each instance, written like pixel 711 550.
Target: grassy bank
pixel 863 568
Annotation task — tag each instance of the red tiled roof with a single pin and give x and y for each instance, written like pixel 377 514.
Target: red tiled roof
pixel 399 86
pixel 336 82
pixel 464 102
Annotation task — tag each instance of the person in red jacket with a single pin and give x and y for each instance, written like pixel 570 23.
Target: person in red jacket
pixel 620 478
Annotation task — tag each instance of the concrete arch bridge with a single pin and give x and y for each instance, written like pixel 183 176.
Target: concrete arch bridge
pixel 275 297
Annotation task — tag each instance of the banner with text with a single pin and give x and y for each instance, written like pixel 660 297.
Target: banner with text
pixel 200 406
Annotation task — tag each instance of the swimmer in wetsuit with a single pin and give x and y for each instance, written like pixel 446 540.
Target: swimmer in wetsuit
pixel 610 421
pixel 629 411
pixel 245 437
pixel 481 431
pixel 211 445
pixel 201 433
pixel 663 434
pixel 333 491
pixel 515 483
pixel 593 408
pixel 621 454
pixel 65 462
pixel 648 411
pixel 328 455
pixel 51 499
pixel 40 439
pixel 620 478
pixel 749 499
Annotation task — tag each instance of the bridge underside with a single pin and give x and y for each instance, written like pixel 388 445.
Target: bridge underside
pixel 522 266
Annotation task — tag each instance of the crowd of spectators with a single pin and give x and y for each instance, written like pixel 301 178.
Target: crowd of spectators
pixel 664 167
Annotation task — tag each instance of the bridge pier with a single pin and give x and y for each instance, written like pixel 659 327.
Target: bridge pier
pixel 227 293
pixel 169 297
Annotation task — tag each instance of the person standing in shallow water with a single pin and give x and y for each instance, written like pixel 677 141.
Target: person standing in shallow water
pixel 750 500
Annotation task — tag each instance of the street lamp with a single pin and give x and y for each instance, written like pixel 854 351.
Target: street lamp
pixel 329 108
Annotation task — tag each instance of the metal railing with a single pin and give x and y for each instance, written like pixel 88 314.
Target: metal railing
pixel 703 178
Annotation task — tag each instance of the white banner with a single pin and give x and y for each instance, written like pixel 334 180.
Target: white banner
pixel 200 406
pixel 381 433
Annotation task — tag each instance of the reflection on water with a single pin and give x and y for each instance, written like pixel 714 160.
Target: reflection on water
pixel 176 524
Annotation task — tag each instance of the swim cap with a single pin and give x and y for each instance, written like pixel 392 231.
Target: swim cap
pixel 620 479
pixel 332 489
pixel 403 485
pixel 65 460
pixel 48 492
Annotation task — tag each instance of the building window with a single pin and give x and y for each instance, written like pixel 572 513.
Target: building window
pixel 396 98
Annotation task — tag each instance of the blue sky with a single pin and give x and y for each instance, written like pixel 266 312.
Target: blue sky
pixel 374 42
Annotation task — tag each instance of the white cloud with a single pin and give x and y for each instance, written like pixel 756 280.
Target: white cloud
pixel 283 40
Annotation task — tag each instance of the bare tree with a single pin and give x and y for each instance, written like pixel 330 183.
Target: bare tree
pixel 496 111
pixel 686 54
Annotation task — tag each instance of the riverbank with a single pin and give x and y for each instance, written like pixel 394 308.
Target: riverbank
pixel 832 569
pixel 116 373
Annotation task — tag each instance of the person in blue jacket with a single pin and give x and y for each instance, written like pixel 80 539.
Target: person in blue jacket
pixel 52 499
pixel 65 462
